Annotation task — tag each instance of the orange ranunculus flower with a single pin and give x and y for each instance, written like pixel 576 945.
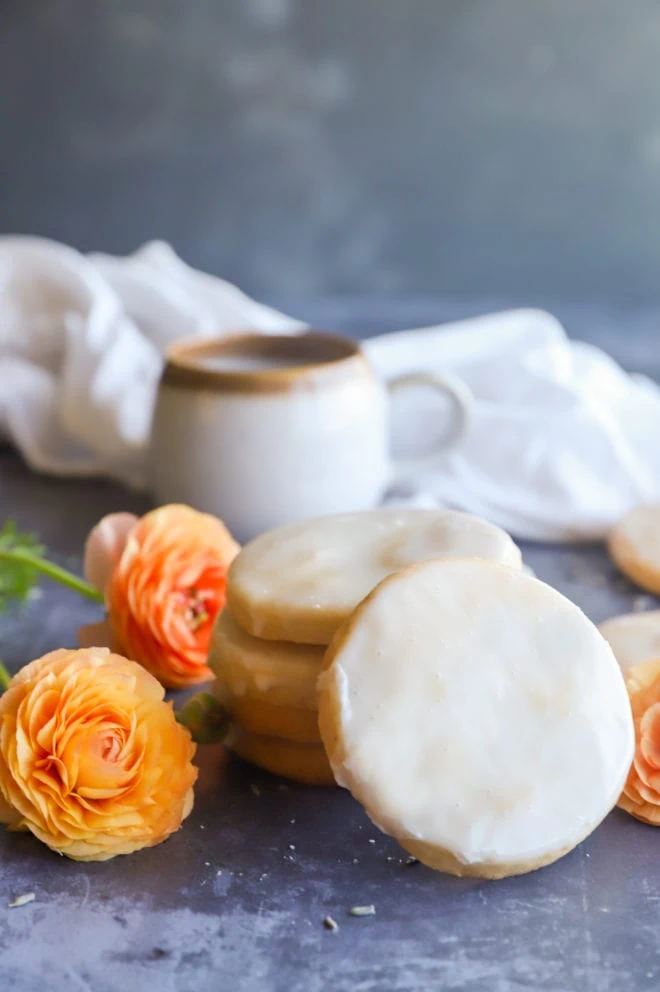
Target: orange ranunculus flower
pixel 164 577
pixel 92 760
pixel 641 793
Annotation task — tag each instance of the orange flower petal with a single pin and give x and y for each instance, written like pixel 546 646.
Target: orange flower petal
pixel 92 760
pixel 641 793
pixel 104 546
pixel 166 590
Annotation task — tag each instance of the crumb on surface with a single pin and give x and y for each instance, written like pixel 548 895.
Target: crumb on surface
pixel 642 603
pixel 369 910
pixel 21 900
pixel 330 924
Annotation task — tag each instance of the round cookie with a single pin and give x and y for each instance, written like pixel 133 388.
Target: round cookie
pixel 301 582
pixel 634 545
pixel 306 763
pixel 278 672
pixel 299 726
pixel 269 687
pixel 634 637
pixel 478 716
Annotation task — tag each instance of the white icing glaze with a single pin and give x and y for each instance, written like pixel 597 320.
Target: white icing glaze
pixel 478 710
pixel 278 672
pixel 302 581
pixel 634 637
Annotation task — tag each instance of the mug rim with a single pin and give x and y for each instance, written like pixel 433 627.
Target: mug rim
pixel 332 356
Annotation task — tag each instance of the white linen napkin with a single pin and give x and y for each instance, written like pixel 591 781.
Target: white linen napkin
pixel 562 441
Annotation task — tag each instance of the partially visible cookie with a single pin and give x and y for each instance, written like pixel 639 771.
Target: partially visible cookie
pixel 301 582
pixel 306 763
pixel 478 716
pixel 634 637
pixel 634 544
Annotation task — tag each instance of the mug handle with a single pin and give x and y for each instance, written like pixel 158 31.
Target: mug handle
pixel 462 407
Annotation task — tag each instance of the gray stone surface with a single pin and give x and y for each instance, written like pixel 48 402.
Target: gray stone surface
pixel 309 147
pixel 228 904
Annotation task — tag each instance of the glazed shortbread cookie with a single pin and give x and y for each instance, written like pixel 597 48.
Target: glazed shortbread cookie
pixel 634 545
pixel 478 716
pixel 306 763
pixel 634 637
pixel 269 686
pixel 268 719
pixel 279 672
pixel 301 582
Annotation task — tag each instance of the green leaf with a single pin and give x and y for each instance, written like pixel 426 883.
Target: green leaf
pixel 18 574
pixel 205 717
pixel 5 678
pixel 21 564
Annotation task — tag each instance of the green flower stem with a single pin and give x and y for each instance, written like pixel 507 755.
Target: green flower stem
pixel 5 678
pixel 54 572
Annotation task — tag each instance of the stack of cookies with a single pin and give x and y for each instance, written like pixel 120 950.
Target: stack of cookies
pixel 290 591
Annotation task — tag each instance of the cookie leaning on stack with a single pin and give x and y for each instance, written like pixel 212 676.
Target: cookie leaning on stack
pixel 288 593
pixel 477 715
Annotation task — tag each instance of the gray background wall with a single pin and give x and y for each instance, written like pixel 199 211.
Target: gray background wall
pixel 478 148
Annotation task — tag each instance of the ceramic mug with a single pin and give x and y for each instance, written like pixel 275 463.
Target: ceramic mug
pixel 263 430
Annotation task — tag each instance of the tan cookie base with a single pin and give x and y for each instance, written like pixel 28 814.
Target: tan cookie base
pixel 305 763
pixel 275 673
pixel 310 628
pixel 269 720
pixel 631 554
pixel 634 637
pixel 444 861
pixel 624 557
